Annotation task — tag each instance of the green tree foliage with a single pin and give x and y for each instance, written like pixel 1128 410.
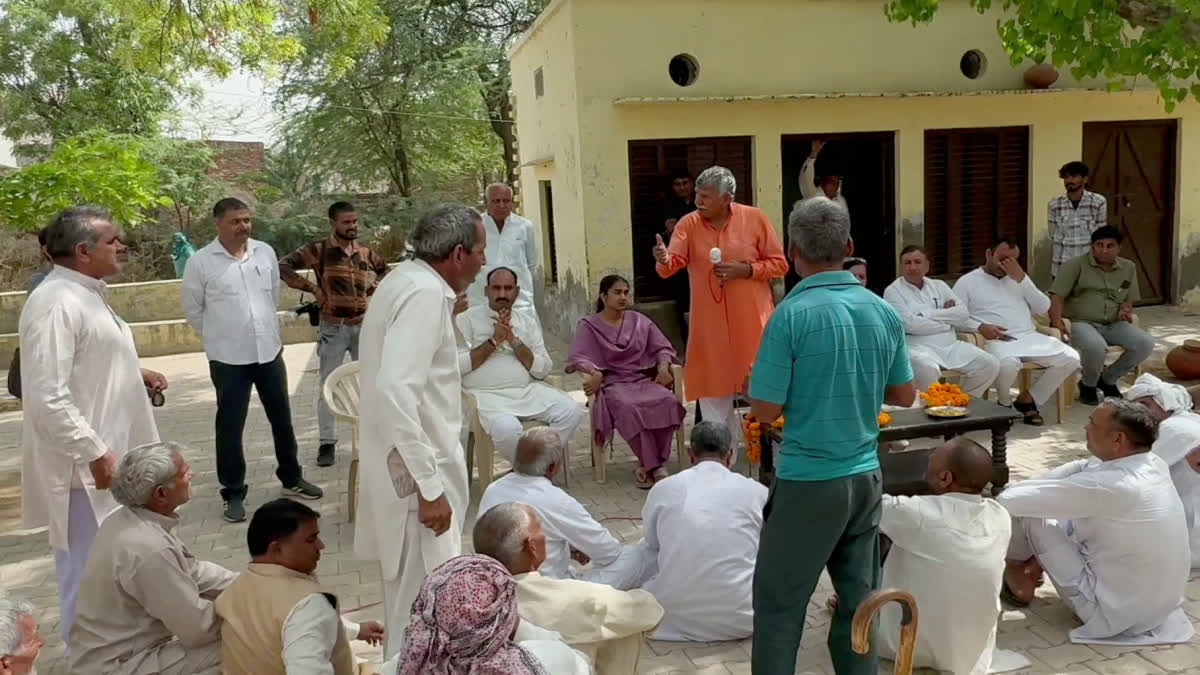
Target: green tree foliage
pixel 1120 40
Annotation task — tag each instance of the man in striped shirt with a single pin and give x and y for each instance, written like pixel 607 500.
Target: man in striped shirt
pixel 1073 217
pixel 346 275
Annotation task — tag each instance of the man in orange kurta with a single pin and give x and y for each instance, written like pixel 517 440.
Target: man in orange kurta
pixel 731 301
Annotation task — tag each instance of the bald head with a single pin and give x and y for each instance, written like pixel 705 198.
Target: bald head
pixel 538 452
pixel 960 465
pixel 505 533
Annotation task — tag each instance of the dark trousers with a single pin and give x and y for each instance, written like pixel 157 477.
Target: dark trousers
pixel 233 401
pixel 809 526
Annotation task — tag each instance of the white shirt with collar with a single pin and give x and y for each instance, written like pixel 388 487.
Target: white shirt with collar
pixel 83 395
pixel 231 303
pixel 928 324
pixel 515 247
pixel 501 383
pixel 565 521
pixel 309 636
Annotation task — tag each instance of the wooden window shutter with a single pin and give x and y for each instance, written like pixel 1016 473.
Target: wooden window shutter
pixel 976 188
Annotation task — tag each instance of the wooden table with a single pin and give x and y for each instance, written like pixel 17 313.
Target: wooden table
pixel 981 415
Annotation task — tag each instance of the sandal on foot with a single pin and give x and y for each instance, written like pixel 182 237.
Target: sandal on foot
pixel 1011 598
pixel 1030 411
pixel 642 480
pixel 660 473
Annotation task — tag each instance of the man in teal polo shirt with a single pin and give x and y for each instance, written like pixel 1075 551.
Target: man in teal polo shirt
pixel 832 353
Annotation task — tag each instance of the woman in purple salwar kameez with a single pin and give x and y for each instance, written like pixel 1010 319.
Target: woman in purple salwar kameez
pixel 626 363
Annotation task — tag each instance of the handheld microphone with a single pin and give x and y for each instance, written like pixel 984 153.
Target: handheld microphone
pixel 714 256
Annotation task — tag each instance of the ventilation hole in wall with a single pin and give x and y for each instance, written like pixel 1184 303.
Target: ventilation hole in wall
pixel 683 69
pixel 973 64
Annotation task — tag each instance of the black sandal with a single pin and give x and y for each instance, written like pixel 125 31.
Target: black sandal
pixel 1030 411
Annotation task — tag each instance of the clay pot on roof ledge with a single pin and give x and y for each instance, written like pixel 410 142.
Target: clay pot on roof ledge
pixel 1184 360
pixel 1041 76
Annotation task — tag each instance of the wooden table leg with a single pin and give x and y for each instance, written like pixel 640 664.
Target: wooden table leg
pixel 999 458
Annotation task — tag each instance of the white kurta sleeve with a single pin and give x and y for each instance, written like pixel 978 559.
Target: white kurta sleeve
pixel 192 295
pixel 408 351
pixel 808 188
pixel 585 534
pixel 1039 302
pixel 467 341
pixel 902 520
pixel 48 353
pixel 914 323
pixel 532 261
pixel 1081 495
pixel 276 282
pixel 531 335
pixel 309 636
pixel 962 290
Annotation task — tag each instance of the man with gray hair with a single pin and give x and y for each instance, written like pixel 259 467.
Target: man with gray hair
pixel 571 532
pixel 1110 532
pixel 731 253
pixel 704 523
pixel 20 641
pixel 831 355
pixel 511 243
pixel 606 624
pixel 146 603
pixel 415 487
pixel 83 392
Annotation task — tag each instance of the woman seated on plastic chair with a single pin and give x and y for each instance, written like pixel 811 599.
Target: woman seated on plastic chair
pixel 626 363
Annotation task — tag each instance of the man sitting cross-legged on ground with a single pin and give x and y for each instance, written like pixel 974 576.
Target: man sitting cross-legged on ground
pixel 1001 301
pixel 508 361
pixel 1111 533
pixel 1096 291
pixel 278 619
pixel 703 523
pixel 930 312
pixel 948 550
pixel 145 602
pixel 605 624
pixel 571 532
pixel 1178 443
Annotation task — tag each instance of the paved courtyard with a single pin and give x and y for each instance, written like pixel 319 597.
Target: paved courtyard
pixel 26 567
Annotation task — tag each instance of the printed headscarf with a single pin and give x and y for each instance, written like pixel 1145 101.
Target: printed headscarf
pixel 463 621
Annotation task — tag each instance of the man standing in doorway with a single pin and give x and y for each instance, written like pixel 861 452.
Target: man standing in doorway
pixel 731 253
pixel 511 243
pixel 84 394
pixel 230 295
pixel 346 275
pixel 831 355
pixel 826 185
pixel 415 487
pixel 679 203
pixel 1074 216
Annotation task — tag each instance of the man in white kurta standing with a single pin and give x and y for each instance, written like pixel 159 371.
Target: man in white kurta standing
pixel 508 360
pixel 412 406
pixel 1001 300
pixel 511 243
pixel 1178 443
pixel 826 184
pixel 1109 531
pixel 703 523
pixel 230 294
pixel 84 395
pixel 931 313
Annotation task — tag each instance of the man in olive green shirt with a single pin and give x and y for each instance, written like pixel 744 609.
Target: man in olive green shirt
pixel 1096 291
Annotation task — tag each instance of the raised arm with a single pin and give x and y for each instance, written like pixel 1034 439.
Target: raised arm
pixel 808 186
pixel 677 249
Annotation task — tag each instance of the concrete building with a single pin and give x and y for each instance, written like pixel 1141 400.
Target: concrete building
pixel 938 137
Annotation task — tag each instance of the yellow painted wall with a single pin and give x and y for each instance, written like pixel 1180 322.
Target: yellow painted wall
pixel 619 49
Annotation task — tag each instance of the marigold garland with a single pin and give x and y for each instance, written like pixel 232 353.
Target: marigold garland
pixel 884 419
pixel 941 393
pixel 752 432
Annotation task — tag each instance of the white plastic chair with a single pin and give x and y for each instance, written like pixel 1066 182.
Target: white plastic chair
pixel 341 394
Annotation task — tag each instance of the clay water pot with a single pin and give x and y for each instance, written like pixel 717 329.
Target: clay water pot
pixel 1184 360
pixel 1041 76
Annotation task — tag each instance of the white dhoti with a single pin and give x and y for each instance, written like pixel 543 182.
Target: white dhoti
pixel 979 368
pixel 401 590
pixel 68 564
pixel 1058 359
pixel 501 412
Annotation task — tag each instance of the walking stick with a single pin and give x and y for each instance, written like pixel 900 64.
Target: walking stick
pixel 860 627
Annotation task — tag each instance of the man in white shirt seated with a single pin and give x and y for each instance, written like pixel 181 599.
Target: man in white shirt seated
pixel 703 523
pixel 948 549
pixel 931 312
pixel 145 602
pixel 278 619
pixel 1001 300
pixel 1111 533
pixel 571 532
pixel 1178 443
pixel 606 624
pixel 508 360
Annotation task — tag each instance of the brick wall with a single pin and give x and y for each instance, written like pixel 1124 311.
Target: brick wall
pixel 234 159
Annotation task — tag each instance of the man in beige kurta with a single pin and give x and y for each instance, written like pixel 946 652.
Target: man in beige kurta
pixel 145 602
pixel 608 626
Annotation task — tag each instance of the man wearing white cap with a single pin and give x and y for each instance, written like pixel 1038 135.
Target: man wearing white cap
pixel 1178 443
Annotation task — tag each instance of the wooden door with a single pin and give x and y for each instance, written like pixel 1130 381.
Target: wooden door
pixel 1133 165
pixel 651 164
pixel 976 189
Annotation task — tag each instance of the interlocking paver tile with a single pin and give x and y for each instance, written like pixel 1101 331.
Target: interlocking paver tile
pixel 26 568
